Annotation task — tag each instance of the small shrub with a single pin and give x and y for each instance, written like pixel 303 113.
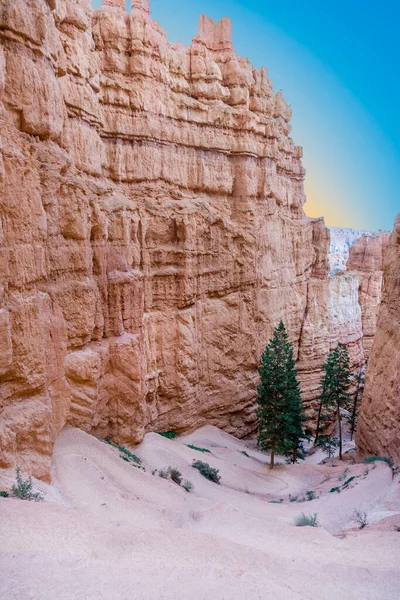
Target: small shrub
pixel 22 489
pixel 293 498
pixel 245 453
pixel 372 459
pixel 397 528
pixel 361 518
pixel 198 449
pixel 163 473
pixel 187 485
pixel 311 496
pixel 4 494
pixel 207 471
pixel 346 483
pixel 335 489
pixel 175 475
pixel 366 471
pixel 275 501
pixel 171 435
pixel 307 520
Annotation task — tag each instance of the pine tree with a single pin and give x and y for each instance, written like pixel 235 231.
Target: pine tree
pixel 280 409
pixel 334 395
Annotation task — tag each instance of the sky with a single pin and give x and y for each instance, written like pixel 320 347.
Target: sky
pixel 337 64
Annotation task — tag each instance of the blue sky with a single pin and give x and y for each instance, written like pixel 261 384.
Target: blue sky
pixel 337 64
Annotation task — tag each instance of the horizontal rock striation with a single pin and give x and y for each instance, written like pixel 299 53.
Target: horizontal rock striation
pixel 378 431
pixel 152 229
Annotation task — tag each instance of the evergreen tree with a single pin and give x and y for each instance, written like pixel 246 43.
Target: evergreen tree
pixel 334 395
pixel 280 409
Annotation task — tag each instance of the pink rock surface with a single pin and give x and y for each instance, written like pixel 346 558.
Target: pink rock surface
pixel 152 231
pixel 378 431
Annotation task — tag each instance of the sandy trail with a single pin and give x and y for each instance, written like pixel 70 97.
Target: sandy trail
pixel 109 530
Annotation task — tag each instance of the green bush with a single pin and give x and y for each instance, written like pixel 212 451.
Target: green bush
pixel 4 494
pixel 371 459
pixel 22 489
pixel 346 483
pixel 187 485
pixel 311 496
pixel 163 473
pixel 207 471
pixel 175 475
pixel 335 489
pixel 171 435
pixel 361 518
pixel 198 449
pixel 245 453
pixel 307 520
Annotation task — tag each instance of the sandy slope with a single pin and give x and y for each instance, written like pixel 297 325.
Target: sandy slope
pixel 108 530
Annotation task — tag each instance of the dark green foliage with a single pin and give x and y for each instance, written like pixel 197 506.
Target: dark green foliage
pixel 280 409
pixel 245 453
pixel 371 459
pixel 346 483
pixel 4 494
pixel 22 489
pixel 171 435
pixel 307 520
pixel 334 395
pixel 198 449
pixel 335 489
pixel 163 473
pixel 311 496
pixel 328 444
pixel 126 454
pixel 207 471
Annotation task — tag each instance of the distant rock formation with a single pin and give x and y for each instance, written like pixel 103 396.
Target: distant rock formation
pixel 152 230
pixel 379 431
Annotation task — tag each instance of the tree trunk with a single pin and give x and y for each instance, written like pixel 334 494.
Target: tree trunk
pixel 353 416
pixel 272 461
pixel 340 433
pixel 318 422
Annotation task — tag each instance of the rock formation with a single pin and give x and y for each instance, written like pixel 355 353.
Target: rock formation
pixel 152 230
pixel 378 431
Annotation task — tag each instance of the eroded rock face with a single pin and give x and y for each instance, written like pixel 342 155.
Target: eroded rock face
pixel 378 431
pixel 152 229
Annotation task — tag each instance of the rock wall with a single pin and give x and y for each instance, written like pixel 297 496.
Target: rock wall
pixel 378 431
pixel 152 229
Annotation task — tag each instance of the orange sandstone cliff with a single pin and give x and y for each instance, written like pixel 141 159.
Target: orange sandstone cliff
pixel 379 431
pixel 152 229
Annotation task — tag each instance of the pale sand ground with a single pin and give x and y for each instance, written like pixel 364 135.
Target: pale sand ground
pixel 110 531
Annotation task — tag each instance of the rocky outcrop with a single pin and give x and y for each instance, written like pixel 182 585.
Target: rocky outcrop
pixel 378 431
pixel 152 229
pixel 342 239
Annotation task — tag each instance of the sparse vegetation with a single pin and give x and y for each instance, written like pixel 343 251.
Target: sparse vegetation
pixel 4 494
pixel 126 454
pixel 207 471
pixel 198 449
pixel 276 501
pixel 335 489
pixel 372 459
pixel 361 518
pixel 245 453
pixel 175 475
pixel 348 481
pixel 397 528
pixel 366 471
pixel 293 498
pixel 311 496
pixel 187 485
pixel 23 488
pixel 343 475
pixel 307 520
pixel 328 444
pixel 171 435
